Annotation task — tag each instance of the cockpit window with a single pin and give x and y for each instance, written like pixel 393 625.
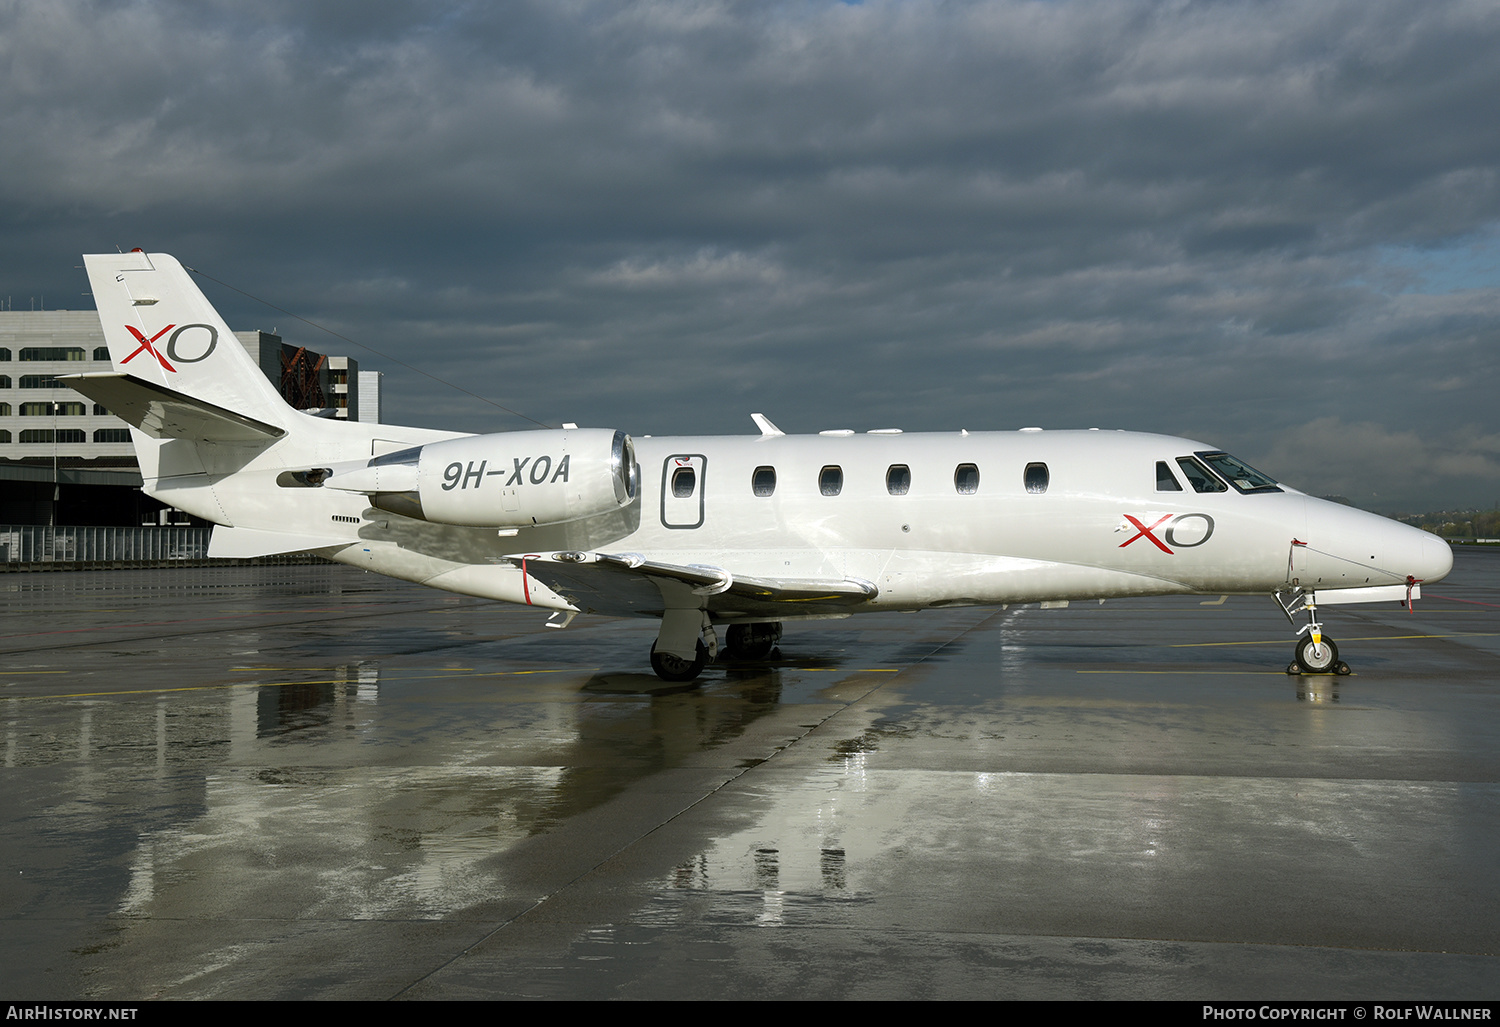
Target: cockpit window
pixel 1166 481
pixel 1199 477
pixel 1241 475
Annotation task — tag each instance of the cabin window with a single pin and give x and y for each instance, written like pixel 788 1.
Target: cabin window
pixel 898 480
pixel 831 480
pixel 1166 481
pixel 966 479
pixel 1199 477
pixel 1241 475
pixel 763 481
pixel 684 481
pixel 1037 478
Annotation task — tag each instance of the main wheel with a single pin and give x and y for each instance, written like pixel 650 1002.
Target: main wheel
pixel 670 667
pixel 751 641
pixel 1317 657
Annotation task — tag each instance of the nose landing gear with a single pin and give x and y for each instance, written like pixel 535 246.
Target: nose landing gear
pixel 1315 654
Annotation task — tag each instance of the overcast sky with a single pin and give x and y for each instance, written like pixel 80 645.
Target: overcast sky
pixel 1268 226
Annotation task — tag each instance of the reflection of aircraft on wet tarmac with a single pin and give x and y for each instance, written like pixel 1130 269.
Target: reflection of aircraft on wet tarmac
pixel 741 533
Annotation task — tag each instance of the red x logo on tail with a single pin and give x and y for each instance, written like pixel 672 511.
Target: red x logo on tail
pixel 1145 532
pixel 145 344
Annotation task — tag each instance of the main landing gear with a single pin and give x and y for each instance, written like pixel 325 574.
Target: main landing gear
pixel 671 667
pixel 751 641
pixel 1315 654
pixel 687 643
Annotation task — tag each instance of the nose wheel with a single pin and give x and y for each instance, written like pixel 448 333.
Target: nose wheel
pixel 1316 653
pixel 1321 657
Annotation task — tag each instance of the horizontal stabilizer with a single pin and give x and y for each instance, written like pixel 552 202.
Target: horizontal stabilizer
pixel 164 414
pixel 245 543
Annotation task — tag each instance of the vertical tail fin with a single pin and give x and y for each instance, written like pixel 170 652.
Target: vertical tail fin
pixel 162 329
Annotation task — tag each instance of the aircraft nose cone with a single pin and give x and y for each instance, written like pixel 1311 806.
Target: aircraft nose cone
pixel 1437 559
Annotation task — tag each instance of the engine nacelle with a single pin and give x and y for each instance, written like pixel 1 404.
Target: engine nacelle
pixel 507 480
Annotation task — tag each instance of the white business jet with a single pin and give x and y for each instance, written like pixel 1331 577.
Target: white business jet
pixel 707 533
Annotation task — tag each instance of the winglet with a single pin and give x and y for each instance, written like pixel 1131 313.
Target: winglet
pixel 767 429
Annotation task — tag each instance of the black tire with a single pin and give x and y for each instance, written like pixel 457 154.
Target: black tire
pixel 669 667
pixel 751 641
pixel 1317 659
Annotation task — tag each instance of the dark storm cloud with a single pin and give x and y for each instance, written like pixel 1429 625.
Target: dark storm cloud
pixel 1207 219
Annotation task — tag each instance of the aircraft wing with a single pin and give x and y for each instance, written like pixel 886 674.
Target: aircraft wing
pixel 630 581
pixel 164 414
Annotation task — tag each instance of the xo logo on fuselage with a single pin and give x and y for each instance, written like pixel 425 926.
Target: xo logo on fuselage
pixel 1186 531
pixel 193 349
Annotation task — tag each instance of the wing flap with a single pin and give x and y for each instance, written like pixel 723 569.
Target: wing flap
pixel 247 543
pixel 702 580
pixel 164 414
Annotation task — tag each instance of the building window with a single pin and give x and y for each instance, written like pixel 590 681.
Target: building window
pixel 831 480
pixel 101 352
pixel 99 410
pixel 763 481
pixel 36 381
pixel 4 381
pixel 48 409
pixel 52 353
pixel 966 479
pixel 1037 478
pixel 4 409
pixel 4 353
pixel 63 435
pixel 898 480
pixel 4 435
pixel 111 434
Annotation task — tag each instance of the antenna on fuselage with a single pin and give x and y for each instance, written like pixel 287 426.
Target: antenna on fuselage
pixel 764 424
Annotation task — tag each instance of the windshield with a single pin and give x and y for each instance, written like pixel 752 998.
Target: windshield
pixel 1238 473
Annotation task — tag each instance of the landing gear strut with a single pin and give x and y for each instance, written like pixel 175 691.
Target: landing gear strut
pixel 684 645
pixel 1315 654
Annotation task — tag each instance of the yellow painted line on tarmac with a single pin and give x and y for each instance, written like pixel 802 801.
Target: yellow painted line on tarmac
pixel 273 684
pixel 1341 640
pixel 185 688
pixel 1199 673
